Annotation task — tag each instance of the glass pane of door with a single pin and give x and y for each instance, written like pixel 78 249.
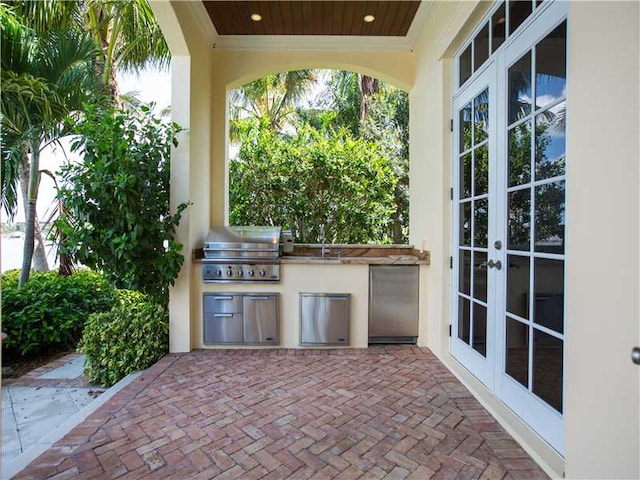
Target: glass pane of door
pixel 531 360
pixel 473 325
pixel 534 326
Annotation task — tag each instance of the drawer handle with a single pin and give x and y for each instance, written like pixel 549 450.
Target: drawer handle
pixel 342 339
pixel 223 298
pixel 259 298
pixel 269 339
pixel 223 315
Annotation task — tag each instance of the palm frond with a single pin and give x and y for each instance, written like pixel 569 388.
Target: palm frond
pixel 46 15
pixel 140 41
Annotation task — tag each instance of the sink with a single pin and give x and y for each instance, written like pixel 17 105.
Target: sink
pixel 326 258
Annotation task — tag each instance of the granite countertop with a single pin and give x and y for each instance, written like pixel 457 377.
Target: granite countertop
pixel 368 260
pixel 348 254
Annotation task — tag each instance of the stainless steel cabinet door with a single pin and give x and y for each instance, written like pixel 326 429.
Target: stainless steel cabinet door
pixel 260 318
pixel 324 319
pixel 222 328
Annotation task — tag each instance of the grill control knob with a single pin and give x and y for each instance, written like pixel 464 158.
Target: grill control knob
pixel 229 273
pixel 219 273
pixel 262 273
pixel 251 273
pixel 239 272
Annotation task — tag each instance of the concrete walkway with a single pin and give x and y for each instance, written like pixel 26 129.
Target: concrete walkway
pixel 40 407
pixel 377 413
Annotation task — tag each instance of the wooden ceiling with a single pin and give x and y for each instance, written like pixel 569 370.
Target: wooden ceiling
pixel 328 17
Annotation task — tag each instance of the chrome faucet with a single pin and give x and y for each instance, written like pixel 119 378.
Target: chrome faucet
pixel 322 239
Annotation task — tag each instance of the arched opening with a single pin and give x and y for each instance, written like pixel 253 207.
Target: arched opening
pixel 320 151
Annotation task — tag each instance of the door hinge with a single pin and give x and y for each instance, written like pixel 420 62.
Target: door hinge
pixel 451 193
pixel 449 329
pixel 450 262
pixel 451 125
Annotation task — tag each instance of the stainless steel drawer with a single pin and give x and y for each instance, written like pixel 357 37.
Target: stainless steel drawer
pixel 222 328
pixel 324 319
pixel 222 303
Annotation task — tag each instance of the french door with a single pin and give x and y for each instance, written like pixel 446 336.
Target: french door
pixel 473 329
pixel 509 224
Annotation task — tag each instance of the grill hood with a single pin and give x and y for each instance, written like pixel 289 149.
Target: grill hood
pixel 242 242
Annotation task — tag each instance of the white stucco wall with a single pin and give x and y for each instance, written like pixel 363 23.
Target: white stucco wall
pixel 236 68
pixel 191 74
pixel 603 319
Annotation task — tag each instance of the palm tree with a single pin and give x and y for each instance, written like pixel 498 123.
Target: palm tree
pixel 125 32
pixel 127 35
pixel 349 95
pixel 44 78
pixel 273 97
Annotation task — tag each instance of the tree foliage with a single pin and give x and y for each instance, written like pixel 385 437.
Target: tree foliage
pixel 45 77
pixel 119 198
pixel 386 124
pixel 352 106
pixel 273 97
pixel 56 55
pixel 316 177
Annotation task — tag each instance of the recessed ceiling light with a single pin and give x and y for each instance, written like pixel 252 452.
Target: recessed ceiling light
pixel 256 17
pixel 369 18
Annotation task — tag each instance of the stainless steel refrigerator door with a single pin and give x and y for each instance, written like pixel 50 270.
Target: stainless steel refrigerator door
pixel 324 319
pixel 393 302
pixel 260 318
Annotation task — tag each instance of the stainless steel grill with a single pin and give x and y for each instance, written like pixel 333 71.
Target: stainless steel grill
pixel 242 254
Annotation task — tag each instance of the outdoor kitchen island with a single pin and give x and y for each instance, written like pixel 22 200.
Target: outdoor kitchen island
pixel 344 269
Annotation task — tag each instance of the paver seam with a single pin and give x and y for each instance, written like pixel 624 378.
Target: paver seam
pixel 15 419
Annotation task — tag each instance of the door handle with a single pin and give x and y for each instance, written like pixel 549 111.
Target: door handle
pixel 253 297
pixel 635 355
pixel 491 264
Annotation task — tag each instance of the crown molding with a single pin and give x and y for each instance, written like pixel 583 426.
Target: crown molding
pixel 206 26
pixel 418 21
pixel 311 42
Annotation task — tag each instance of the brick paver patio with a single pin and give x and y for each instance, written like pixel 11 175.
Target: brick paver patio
pixel 383 412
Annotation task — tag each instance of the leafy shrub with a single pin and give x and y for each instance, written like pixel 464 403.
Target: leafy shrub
pixel 132 336
pixel 49 312
pixel 118 218
pixel 127 298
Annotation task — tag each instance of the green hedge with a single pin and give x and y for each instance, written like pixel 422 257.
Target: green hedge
pixel 49 312
pixel 131 336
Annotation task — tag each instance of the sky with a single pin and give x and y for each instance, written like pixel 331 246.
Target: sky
pixel 152 86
